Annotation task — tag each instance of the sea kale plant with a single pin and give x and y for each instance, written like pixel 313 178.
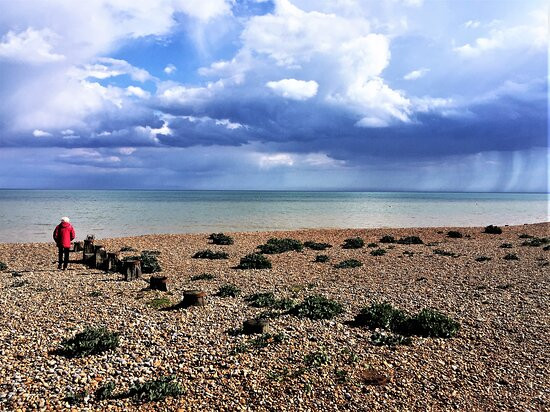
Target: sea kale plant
pixel 348 263
pixel 353 243
pixel 321 258
pixel 254 261
pixel 317 307
pixel 454 234
pixel 220 239
pixel 149 261
pixel 378 252
pixel 228 291
pixel 387 239
pixel 410 240
pixel 155 390
pixel 316 245
pixel 493 230
pixel 91 341
pixel 3 266
pixel 209 254
pixel 274 246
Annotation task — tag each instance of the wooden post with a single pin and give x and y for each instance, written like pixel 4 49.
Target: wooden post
pixel 78 246
pixel 251 326
pixel 194 298
pixel 131 269
pixel 88 251
pixel 100 257
pixel 158 283
pixel 111 263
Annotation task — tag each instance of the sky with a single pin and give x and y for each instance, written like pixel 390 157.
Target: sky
pixel 385 95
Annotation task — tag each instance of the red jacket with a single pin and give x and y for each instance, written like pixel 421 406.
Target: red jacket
pixel 63 234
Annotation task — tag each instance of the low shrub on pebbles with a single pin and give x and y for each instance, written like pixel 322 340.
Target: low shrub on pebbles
pixel 209 254
pixel 254 261
pixel 353 243
pixel 3 266
pixel 203 276
pixel 149 261
pixel 536 241
pixel 348 263
pixel 511 256
pixel 492 230
pixel 154 390
pixel 91 341
pixel 454 234
pixel 410 240
pixel 220 239
pixel 317 307
pixel 228 291
pixel 274 246
pixel 378 252
pixel 387 239
pixel 317 245
pixel 321 258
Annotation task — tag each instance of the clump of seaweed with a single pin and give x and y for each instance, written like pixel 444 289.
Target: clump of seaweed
pixel 274 246
pixel 220 239
pixel 209 254
pixel 228 291
pixel 254 261
pixel 454 234
pixel 91 341
pixel 353 243
pixel 348 263
pixel 317 307
pixel 317 246
pixel 492 230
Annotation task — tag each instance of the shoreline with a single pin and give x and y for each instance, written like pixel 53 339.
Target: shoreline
pixel 289 231
pixel 496 361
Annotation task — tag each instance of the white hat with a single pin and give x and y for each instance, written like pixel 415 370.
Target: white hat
pixel 65 219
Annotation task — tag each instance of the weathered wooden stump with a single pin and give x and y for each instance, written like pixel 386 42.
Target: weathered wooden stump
pixel 88 251
pixel 158 283
pixel 78 246
pixel 251 326
pixel 193 298
pixel 131 269
pixel 111 262
pixel 100 257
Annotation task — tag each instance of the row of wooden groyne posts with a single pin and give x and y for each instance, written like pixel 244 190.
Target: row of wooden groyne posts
pixel 96 256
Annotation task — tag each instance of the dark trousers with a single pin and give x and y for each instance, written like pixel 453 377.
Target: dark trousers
pixel 63 256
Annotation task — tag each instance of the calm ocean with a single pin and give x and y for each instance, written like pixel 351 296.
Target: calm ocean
pixel 31 215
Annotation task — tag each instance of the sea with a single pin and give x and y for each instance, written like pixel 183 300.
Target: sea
pixel 31 215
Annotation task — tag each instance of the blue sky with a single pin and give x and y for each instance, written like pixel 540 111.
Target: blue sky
pixel 285 94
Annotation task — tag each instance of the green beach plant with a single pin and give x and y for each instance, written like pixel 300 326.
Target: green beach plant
pixel 445 253
pixel 506 246
pixel 317 246
pixel 261 300
pixel 454 234
pixel 511 256
pixel 410 240
pixel 493 230
pixel 389 339
pixel 203 276
pixel 3 266
pixel 536 241
pixel 155 390
pixel 317 307
pixel 353 243
pixel 348 263
pixel 159 303
pixel 316 359
pixel 228 291
pixel 275 246
pixel 372 245
pixel 149 261
pixel 387 239
pixel 91 341
pixel 378 252
pixel 209 254
pixel 220 239
pixel 254 261
pixel 482 259
pixel 321 258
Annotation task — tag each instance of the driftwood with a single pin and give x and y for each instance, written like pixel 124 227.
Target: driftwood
pixel 251 326
pixel 158 283
pixel 194 298
pixel 131 269
pixel 88 252
pixel 111 262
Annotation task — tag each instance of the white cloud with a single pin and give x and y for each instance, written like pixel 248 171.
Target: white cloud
pixel 472 24
pixel 294 89
pixel 40 133
pixel 533 36
pixel 169 69
pixel 276 159
pixel 416 74
pixel 298 160
pixel 30 46
pixel 204 10
pixel 67 132
pixel 138 92
pixel 106 67
pixel 127 150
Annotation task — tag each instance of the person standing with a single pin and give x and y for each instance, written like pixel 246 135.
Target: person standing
pixel 63 235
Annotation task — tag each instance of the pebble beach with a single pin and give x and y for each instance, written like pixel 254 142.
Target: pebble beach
pixel 497 361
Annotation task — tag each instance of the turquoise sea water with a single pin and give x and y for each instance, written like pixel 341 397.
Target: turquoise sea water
pixel 31 215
